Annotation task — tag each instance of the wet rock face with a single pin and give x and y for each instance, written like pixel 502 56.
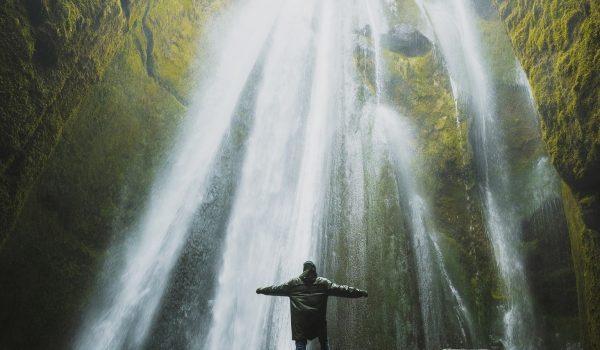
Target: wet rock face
pixel 94 184
pixel 550 273
pixel 557 43
pixel 407 40
pixel 51 53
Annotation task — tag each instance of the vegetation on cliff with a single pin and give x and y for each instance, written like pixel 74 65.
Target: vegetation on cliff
pixel 94 90
pixel 51 53
pixel 97 177
pixel 420 86
pixel 558 44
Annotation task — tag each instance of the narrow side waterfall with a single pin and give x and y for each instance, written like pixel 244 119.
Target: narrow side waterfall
pixel 394 133
pixel 307 139
pixel 454 26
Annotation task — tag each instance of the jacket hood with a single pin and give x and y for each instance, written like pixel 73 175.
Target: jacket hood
pixel 309 265
pixel 308 276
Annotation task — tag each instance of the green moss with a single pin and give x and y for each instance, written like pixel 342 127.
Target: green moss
pixel 71 15
pixel 96 180
pixel 176 45
pixel 453 263
pixel 50 54
pixel 558 45
pixel 391 271
pixel 364 62
pixel 585 248
pixel 497 51
pixel 407 11
pixel 420 88
pixel 499 295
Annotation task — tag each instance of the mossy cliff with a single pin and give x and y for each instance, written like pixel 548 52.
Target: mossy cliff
pixel 417 86
pixel 558 44
pixel 51 52
pixel 131 96
pixel 420 87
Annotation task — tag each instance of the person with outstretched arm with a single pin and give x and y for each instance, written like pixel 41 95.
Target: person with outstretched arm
pixel 308 295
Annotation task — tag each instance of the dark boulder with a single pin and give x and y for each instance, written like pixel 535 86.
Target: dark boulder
pixel 407 40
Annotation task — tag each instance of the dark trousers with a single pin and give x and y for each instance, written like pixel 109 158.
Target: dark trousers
pixel 301 344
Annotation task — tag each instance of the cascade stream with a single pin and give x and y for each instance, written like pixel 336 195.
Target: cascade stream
pixel 295 149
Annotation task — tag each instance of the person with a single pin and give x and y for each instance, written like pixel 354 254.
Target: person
pixel 308 295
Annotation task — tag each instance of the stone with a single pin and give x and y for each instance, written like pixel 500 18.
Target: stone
pixel 407 40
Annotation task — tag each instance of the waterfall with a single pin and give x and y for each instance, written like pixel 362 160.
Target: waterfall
pixel 388 127
pixel 454 26
pixel 277 214
pixel 127 306
pixel 325 153
pixel 392 134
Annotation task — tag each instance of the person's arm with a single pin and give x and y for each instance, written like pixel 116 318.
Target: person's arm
pixel 339 290
pixel 277 290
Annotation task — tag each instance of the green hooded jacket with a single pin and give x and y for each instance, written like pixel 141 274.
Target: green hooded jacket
pixel 308 301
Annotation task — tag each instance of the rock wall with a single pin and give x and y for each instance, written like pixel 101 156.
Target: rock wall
pixel 51 52
pixel 420 87
pixel 558 44
pixel 416 84
pixel 92 93
pixel 89 131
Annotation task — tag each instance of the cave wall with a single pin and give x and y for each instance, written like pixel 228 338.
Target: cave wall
pixel 558 44
pixel 420 87
pixel 92 92
pixel 416 85
pixel 88 136
pixel 51 53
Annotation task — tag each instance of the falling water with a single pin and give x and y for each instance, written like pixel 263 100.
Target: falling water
pixel 362 129
pixel 453 24
pixel 276 218
pixel 348 194
pixel 314 139
pixel 128 304
pixel 433 280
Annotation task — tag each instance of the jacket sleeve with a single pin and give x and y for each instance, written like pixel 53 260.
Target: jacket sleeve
pixel 277 290
pixel 339 290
